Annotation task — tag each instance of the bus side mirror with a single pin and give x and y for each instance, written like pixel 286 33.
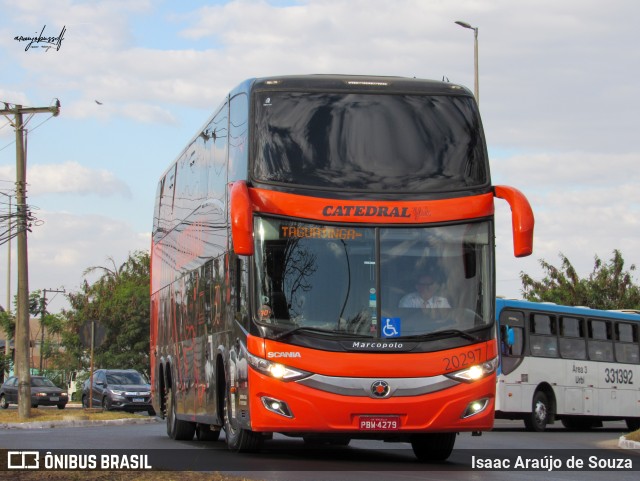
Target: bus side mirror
pixel 241 213
pixel 522 220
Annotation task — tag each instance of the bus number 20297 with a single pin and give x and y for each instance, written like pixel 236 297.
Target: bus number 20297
pixel 462 360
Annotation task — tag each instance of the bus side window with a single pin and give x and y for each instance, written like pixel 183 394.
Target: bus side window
pixel 572 343
pixel 627 349
pixel 511 341
pixel 543 340
pixel 600 345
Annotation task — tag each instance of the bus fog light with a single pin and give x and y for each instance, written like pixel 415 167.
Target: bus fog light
pixel 475 407
pixel 276 406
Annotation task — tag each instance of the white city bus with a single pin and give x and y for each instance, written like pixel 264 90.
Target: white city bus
pixel 577 365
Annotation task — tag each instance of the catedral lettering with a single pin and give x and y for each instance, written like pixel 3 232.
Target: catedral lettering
pixel 365 211
pixel 276 284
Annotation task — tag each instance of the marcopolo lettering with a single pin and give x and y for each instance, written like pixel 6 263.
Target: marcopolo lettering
pixel 365 211
pixel 377 345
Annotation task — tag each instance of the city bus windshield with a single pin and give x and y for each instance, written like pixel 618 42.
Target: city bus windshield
pixel 369 142
pixel 326 278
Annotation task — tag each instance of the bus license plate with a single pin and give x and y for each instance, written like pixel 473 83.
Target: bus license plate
pixel 379 423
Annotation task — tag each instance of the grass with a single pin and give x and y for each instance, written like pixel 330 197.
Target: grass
pixel 45 414
pixel 634 436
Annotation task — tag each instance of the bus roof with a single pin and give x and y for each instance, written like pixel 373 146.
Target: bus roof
pixel 360 83
pixel 557 308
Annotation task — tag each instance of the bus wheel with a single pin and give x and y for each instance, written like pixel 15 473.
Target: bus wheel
pixel 537 420
pixel 238 439
pixel 177 429
pixel 205 433
pixel 633 423
pixel 433 447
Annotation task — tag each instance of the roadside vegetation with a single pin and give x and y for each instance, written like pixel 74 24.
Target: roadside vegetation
pixel 43 414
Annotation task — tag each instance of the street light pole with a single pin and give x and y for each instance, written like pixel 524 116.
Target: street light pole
pixel 476 86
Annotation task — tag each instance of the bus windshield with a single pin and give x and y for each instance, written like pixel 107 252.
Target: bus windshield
pixel 372 281
pixel 369 142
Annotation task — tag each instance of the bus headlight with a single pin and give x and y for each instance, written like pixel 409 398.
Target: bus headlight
pixel 476 372
pixel 275 370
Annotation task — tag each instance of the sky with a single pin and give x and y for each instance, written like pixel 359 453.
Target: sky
pixel 136 79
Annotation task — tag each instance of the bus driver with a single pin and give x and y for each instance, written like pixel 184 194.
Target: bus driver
pixel 425 294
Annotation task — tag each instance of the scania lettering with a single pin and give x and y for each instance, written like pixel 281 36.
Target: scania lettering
pixel 285 235
pixel 283 354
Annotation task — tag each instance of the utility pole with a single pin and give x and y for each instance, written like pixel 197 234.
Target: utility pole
pixel 43 311
pixel 22 309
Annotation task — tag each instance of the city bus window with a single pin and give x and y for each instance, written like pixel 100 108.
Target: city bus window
pixel 626 346
pixel 543 341
pixel 543 324
pixel 572 343
pixel 600 346
pixel 511 321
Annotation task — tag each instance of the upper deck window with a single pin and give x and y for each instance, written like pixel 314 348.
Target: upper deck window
pixel 369 142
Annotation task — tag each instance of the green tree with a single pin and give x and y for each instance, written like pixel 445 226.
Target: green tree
pixel 119 302
pixel 53 325
pixel 608 286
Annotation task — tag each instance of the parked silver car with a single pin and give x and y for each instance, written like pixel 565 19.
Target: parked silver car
pixel 118 389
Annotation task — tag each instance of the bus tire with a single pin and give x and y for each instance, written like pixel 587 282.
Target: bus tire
pixel 540 411
pixel 433 447
pixel 238 439
pixel 177 429
pixel 633 423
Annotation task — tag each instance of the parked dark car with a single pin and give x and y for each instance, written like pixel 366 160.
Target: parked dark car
pixel 118 389
pixel 43 393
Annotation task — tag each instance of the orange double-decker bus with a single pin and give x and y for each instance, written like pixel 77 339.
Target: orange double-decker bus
pixel 323 267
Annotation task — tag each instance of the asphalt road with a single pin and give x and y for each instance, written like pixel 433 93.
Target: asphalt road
pixel 289 459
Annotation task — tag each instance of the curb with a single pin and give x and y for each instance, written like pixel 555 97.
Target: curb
pixel 78 423
pixel 625 443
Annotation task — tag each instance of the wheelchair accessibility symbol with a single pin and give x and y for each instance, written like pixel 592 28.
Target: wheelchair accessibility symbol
pixel 390 326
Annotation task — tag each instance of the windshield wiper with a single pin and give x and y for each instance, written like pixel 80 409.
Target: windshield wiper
pixel 316 330
pixel 441 334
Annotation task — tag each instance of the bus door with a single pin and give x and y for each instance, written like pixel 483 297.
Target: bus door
pixel 510 380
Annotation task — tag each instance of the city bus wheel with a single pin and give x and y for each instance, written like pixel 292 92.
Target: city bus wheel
pixel 238 439
pixel 539 416
pixel 177 429
pixel 433 447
